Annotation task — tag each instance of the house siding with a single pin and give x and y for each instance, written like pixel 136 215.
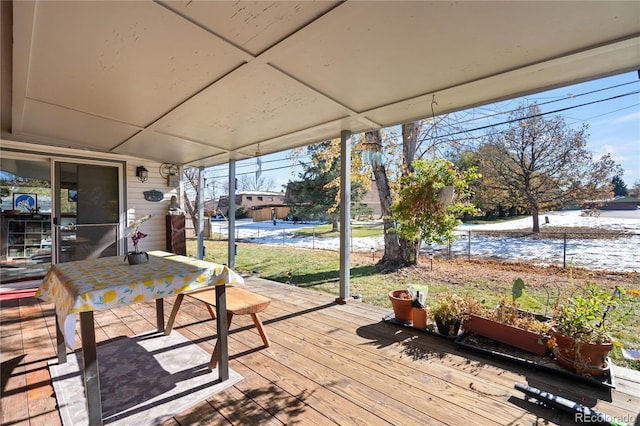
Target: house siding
pixel 137 206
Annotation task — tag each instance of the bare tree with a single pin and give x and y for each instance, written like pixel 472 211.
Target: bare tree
pixel 544 163
pixel 191 176
pixel 250 182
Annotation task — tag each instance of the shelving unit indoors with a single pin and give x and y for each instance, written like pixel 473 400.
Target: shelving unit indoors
pixel 26 238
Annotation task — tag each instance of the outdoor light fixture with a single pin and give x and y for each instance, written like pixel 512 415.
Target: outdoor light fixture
pixel 142 174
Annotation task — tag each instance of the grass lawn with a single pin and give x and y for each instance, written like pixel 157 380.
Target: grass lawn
pixel 485 280
pixel 357 230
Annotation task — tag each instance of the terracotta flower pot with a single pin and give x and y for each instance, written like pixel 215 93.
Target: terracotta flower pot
pixel 419 318
pixel 584 358
pixel 402 308
pixel 507 334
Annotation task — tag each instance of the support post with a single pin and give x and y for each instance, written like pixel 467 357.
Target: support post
pixel 200 213
pixel 345 215
pixel 231 216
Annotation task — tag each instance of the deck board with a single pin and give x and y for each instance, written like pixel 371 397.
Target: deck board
pixel 327 364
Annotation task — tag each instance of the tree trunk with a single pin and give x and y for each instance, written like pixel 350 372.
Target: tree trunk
pixel 397 252
pixel 193 213
pixel 536 219
pixel 409 250
pixel 391 247
pixel 334 224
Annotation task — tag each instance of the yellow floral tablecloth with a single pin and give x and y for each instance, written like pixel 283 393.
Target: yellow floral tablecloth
pixel 110 282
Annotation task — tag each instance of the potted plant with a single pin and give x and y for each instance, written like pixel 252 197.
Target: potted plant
pixel 448 312
pixel 509 324
pixel 581 333
pixel 419 310
pixel 407 301
pixel 431 199
pixel 136 256
pixel 402 305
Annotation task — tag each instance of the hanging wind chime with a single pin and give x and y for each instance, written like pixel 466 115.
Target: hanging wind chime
pixel 258 163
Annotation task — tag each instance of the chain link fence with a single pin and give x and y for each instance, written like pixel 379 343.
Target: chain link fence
pixel 599 249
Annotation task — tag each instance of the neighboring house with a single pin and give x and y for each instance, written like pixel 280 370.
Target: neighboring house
pixel 371 199
pixel 210 208
pixel 257 204
pixel 621 203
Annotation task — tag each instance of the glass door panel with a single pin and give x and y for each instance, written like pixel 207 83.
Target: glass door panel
pixel 87 212
pixel 25 230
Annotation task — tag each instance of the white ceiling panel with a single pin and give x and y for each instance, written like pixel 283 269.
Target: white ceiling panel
pixel 202 82
pixel 165 148
pixel 259 104
pixel 128 61
pixel 366 55
pixel 252 26
pixel 73 128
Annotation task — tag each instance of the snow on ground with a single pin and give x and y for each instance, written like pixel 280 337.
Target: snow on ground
pixel 617 254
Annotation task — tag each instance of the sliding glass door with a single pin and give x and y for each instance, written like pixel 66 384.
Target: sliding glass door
pixel 87 210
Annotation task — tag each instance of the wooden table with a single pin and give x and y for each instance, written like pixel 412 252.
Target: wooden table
pixel 85 286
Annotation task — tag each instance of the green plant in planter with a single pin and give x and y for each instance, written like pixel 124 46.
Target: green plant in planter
pixel 581 336
pixel 590 317
pixel 419 208
pixel 448 312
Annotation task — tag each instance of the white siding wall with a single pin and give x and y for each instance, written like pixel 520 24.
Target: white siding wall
pixel 137 206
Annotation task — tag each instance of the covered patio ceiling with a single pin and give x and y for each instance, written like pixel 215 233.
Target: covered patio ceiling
pixel 202 82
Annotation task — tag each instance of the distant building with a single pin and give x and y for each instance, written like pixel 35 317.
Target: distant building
pixel 370 200
pixel 257 204
pixel 621 203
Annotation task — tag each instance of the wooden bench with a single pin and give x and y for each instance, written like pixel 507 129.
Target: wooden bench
pixel 239 302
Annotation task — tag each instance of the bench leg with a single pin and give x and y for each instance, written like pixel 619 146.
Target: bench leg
pixel 214 357
pixel 174 314
pixel 211 311
pixel 263 334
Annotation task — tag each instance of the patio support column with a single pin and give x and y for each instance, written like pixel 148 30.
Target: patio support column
pixel 231 216
pixel 200 212
pixel 345 214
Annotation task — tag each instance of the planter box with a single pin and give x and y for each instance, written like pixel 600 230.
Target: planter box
pixel 507 334
pixel 585 358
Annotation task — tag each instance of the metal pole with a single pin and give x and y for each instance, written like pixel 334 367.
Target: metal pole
pixel 469 248
pixel 564 250
pixel 345 214
pixel 200 212
pixel 231 216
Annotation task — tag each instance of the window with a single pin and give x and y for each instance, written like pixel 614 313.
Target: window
pixel 259 198
pixel 249 198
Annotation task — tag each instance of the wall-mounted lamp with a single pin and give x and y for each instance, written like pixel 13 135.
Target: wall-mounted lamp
pixel 142 174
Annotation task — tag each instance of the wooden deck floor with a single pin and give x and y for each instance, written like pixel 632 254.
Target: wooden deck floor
pixel 327 364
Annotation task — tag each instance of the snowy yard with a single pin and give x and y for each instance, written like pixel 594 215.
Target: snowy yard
pixel 616 254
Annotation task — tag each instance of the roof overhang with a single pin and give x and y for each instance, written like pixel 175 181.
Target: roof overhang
pixel 203 82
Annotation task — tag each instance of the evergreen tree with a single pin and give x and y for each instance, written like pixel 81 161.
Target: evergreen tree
pixel 317 193
pixel 619 187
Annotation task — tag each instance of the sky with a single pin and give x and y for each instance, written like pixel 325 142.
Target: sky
pixel 609 106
